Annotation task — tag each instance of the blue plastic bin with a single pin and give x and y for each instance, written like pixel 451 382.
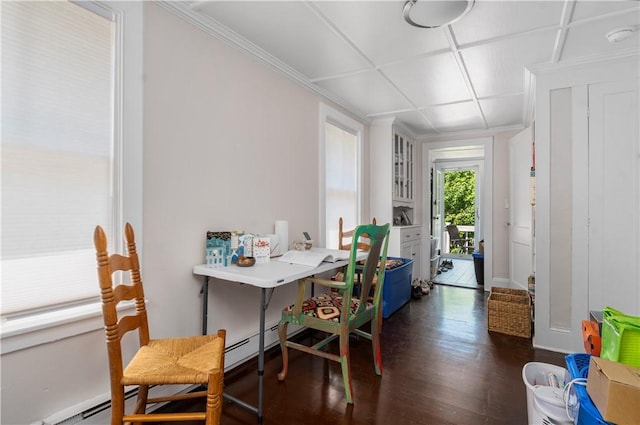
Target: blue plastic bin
pixel 588 414
pixel 478 264
pixel 397 286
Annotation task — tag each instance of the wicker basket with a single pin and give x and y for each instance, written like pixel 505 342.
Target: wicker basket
pixel 509 312
pixel 509 291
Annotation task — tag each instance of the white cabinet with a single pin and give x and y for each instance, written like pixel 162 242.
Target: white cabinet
pixel 394 178
pixel 406 242
pixel 393 174
pixel 403 169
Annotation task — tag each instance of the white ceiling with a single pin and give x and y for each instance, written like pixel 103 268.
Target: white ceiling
pixel 468 76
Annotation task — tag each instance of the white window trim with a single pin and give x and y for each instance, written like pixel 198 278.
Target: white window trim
pixel 337 118
pixel 27 331
pixel 36 329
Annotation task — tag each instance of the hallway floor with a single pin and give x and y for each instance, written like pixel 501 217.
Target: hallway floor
pixel 440 366
pixel 462 274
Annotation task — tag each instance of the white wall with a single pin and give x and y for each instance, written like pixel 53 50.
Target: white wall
pixel 500 213
pixel 229 143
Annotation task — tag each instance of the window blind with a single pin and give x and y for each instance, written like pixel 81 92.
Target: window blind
pixel 341 186
pixel 56 151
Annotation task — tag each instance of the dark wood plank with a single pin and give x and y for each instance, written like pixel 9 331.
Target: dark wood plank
pixel 440 366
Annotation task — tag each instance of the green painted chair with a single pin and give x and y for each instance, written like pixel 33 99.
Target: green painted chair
pixel 328 313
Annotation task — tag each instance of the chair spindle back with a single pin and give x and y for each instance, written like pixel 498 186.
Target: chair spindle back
pixel 116 327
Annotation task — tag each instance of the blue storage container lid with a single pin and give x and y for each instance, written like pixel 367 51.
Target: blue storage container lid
pixel 578 366
pixel 478 255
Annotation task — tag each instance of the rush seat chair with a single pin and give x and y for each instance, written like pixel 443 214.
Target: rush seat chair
pixel 195 360
pixel 341 310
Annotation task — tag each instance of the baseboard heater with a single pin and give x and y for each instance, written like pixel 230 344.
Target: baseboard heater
pixel 235 355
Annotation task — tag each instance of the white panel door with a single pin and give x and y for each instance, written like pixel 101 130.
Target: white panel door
pixel 520 213
pixel 614 197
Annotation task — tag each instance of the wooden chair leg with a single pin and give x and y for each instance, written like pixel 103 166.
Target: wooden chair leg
pixel 214 398
pixel 143 393
pixel 375 345
pixel 346 367
pixel 141 401
pixel 282 333
pixel 117 406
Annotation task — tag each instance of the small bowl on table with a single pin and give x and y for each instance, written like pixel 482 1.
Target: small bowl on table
pixel 245 261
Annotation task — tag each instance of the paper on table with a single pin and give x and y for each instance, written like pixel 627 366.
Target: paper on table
pixel 314 256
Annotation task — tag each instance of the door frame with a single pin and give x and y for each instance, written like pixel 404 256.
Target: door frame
pixel 479 147
pixel 456 164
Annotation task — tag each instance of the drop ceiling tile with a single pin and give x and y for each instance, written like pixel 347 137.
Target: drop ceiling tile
pixel 379 31
pixel 589 39
pixel 497 40
pixel 416 123
pixel 429 80
pixel 497 68
pixel 491 19
pixel 290 31
pixel 456 117
pixel 503 111
pixel 588 9
pixel 366 91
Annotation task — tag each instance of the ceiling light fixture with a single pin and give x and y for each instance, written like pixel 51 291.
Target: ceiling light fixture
pixel 435 14
pixel 621 33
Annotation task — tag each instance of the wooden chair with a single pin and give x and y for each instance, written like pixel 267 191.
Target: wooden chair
pixel 328 312
pixel 189 360
pixel 344 242
pixel 465 246
pixel 345 238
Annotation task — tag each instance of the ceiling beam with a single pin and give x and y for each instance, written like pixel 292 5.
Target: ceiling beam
pixel 448 32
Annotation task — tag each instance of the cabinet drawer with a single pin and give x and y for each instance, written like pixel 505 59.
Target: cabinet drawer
pixel 409 234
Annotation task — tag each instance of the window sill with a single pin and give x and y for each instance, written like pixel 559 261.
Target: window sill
pixel 30 331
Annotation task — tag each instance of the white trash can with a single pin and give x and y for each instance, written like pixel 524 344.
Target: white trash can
pixel 545 403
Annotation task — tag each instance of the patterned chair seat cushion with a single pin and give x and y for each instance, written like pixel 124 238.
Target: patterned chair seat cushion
pixel 326 306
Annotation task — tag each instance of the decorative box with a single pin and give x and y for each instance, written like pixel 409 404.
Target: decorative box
pixel 245 244
pixel 236 245
pixel 215 257
pixel 261 249
pixel 222 242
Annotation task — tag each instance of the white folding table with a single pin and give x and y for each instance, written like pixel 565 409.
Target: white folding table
pixel 267 277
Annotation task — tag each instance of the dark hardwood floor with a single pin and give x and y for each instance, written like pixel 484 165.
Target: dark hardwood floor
pixel 440 366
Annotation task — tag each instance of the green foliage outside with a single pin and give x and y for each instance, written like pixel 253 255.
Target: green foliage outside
pixel 459 197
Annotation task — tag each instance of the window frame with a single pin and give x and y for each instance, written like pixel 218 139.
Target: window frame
pixel 341 120
pixel 29 330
